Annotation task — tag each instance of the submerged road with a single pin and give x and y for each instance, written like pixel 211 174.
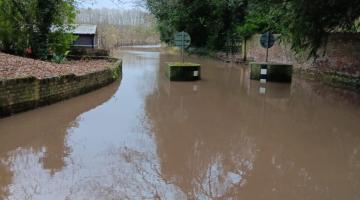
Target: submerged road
pixel 219 138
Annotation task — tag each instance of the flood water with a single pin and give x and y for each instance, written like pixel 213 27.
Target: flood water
pixel 219 138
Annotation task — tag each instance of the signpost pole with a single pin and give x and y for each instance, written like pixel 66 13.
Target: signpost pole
pixel 182 40
pixel 182 54
pixel 267 54
pixel 267 48
pixel 182 48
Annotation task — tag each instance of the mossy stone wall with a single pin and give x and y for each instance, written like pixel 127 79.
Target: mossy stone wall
pixel 275 72
pixel 183 71
pixel 22 94
pixel 340 56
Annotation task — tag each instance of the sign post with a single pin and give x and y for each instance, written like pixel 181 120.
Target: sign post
pixel 181 71
pixel 267 41
pixel 182 40
pixel 270 71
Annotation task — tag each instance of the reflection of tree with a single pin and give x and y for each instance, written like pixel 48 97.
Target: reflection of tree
pixel 201 149
pixel 202 162
pixel 132 175
pixel 5 179
pixel 218 140
pixel 290 132
pixel 45 131
pixel 127 174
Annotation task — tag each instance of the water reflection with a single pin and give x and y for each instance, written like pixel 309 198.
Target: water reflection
pixel 218 138
pixel 190 135
pixel 37 140
pixel 225 140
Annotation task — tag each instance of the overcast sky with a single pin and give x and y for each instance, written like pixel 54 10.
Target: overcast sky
pixel 108 4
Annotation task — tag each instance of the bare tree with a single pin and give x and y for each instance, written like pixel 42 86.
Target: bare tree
pixel 121 27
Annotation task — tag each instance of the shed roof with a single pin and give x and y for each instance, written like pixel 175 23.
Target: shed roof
pixel 84 29
pixel 79 29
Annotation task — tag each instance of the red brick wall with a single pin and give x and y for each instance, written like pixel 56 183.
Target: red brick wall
pixel 342 54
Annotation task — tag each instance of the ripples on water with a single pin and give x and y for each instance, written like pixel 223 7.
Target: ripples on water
pixel 147 138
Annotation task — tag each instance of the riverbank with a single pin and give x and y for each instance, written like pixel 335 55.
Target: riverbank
pixel 337 63
pixel 27 84
pixel 330 77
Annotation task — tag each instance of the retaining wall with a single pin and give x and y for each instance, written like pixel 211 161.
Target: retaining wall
pixel 340 57
pixel 23 94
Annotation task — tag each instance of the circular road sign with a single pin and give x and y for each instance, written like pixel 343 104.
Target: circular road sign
pixel 267 40
pixel 182 40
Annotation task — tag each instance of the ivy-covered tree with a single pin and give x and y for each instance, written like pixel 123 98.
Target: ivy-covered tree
pixel 305 23
pixel 28 24
pixel 209 22
pixel 312 21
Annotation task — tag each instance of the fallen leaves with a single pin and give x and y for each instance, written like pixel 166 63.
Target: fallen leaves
pixel 15 67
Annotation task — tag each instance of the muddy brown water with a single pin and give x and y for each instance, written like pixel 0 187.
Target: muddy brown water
pixel 219 138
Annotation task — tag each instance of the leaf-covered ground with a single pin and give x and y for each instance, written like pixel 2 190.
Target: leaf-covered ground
pixel 15 67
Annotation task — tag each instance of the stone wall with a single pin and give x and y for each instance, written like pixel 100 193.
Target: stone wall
pixel 22 94
pixel 340 56
pixel 87 52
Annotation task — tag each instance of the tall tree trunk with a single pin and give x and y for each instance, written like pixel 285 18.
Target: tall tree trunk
pixel 40 40
pixel 244 50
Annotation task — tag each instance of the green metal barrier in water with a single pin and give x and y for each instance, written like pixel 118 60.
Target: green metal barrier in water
pixel 272 72
pixel 183 71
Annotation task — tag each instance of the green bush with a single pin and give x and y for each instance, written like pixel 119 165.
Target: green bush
pixel 60 58
pixel 27 25
pixel 60 42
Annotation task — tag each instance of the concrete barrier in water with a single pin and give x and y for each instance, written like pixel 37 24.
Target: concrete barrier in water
pixel 272 72
pixel 183 71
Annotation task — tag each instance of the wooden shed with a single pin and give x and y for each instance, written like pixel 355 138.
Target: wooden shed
pixel 87 37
